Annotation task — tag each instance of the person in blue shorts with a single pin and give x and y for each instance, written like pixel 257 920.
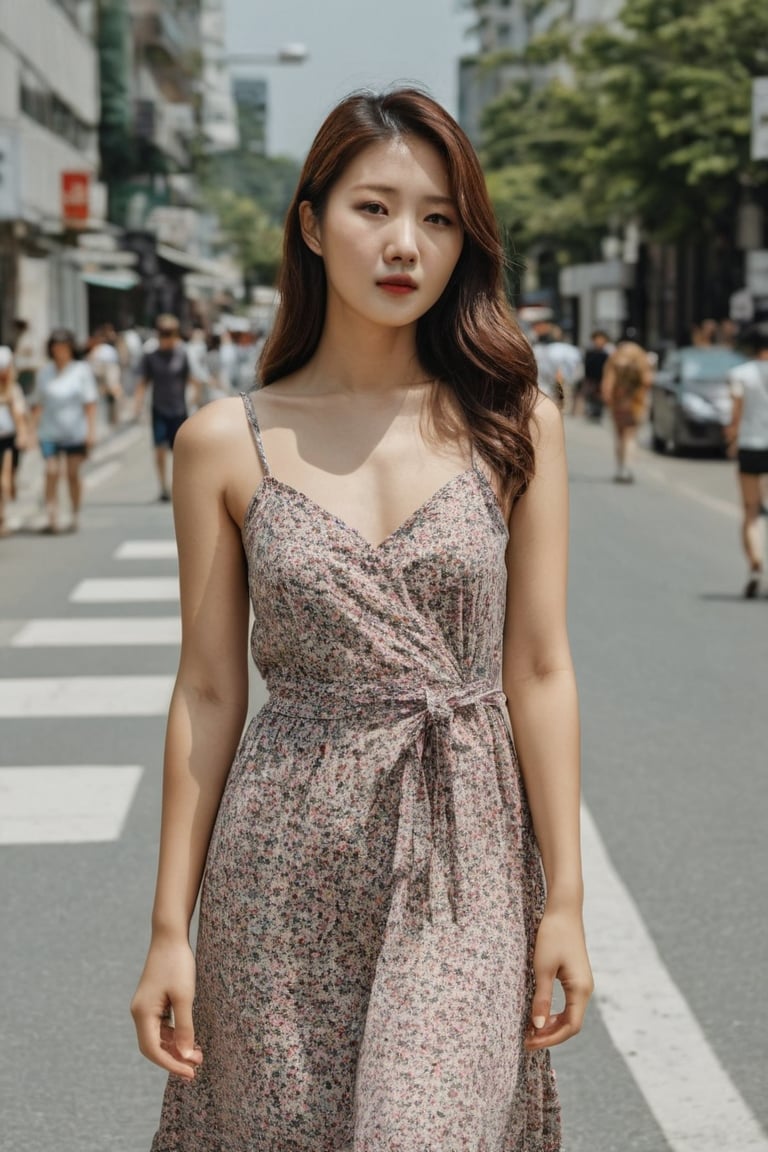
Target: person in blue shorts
pixel 166 370
pixel 63 407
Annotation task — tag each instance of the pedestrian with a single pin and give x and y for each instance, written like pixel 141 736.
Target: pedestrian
pixel 131 355
pixel 166 370
pixel 229 360
pixel 197 354
pixel 627 376
pixel 569 364
pixel 63 407
pixel 13 430
pixel 595 358
pixel 747 436
pixel 104 361
pixel 218 384
pixel 550 377
pixel 373 913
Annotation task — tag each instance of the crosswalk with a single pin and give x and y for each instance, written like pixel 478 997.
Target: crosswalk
pixel 694 1102
pixel 85 802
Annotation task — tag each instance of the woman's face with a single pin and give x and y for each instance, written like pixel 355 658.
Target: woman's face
pixel 390 234
pixel 61 352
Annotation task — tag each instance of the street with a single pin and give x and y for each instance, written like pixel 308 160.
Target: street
pixel 672 668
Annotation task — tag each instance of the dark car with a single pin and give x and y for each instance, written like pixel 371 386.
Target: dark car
pixel 690 401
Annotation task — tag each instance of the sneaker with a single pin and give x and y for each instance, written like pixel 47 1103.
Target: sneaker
pixel 752 586
pixel 164 496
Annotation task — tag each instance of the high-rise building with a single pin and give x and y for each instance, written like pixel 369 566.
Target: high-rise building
pixel 218 115
pixel 49 161
pixel 252 102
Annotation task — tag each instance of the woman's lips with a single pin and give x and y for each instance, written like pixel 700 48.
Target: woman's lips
pixel 397 287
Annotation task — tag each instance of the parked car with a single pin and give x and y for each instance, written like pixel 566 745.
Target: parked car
pixel 690 401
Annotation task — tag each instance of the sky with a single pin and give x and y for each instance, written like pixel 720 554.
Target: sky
pixel 351 44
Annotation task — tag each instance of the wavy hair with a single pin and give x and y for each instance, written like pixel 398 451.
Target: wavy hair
pixel 469 339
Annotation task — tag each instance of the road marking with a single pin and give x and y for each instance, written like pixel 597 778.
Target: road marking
pixel 713 502
pixel 117 444
pixel 72 696
pixel 139 631
pixel 65 805
pixel 696 1104
pixel 115 590
pixel 146 550
pixel 99 474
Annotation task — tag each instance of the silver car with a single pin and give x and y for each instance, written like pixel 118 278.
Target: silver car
pixel 690 400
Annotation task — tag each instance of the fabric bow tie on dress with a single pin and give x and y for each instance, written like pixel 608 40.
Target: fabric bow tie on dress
pixel 425 855
pixel 426 850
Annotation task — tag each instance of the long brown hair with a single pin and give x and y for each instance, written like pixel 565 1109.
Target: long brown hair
pixel 469 338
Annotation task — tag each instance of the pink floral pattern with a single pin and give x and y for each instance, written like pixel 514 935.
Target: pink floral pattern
pixel 373 885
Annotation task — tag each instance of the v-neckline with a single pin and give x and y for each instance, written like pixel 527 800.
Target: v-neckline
pixel 349 529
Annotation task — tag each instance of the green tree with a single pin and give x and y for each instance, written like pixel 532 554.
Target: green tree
pixel 649 120
pixel 534 135
pixel 249 234
pixel 672 93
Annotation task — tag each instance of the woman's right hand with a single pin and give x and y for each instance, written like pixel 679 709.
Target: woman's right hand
pixel 162 1008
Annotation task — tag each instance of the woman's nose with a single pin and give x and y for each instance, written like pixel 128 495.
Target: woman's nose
pixel 401 242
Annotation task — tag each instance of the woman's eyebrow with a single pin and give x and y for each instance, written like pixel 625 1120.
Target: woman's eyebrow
pixel 388 190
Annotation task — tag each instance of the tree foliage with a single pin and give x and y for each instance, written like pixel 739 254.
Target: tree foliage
pixel 646 120
pixel 250 194
pixel 248 231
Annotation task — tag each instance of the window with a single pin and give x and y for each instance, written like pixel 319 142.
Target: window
pixel 45 108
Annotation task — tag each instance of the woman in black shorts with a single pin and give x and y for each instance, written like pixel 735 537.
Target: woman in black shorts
pixel 13 426
pixel 748 438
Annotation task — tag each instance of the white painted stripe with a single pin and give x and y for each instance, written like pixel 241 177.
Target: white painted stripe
pixel 85 696
pixel 133 590
pixel 714 502
pixel 146 550
pixel 65 805
pixel 99 474
pixel 117 444
pixel 695 1102
pixel 139 631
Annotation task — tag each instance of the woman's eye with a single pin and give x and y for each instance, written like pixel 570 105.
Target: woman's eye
pixel 438 218
pixel 374 209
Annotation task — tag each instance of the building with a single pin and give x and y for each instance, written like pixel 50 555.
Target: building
pixel 167 92
pixel 218 114
pixel 252 103
pixel 585 296
pixel 53 232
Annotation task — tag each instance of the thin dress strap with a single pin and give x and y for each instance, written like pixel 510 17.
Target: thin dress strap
pixel 254 423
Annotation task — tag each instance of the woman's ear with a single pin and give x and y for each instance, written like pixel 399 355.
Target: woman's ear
pixel 310 227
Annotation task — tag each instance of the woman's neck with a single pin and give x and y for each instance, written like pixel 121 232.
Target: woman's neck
pixel 364 359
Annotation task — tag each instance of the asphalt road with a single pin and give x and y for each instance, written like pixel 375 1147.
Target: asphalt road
pixel 672 668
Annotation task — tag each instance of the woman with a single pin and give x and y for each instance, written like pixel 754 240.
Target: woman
pixel 13 429
pixel 64 419
pixel 747 436
pixel 626 379
pixel 373 912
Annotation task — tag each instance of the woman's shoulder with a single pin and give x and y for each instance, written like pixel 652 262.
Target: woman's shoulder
pixel 546 414
pixel 216 426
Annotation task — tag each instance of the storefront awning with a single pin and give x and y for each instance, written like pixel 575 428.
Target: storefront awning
pixel 121 279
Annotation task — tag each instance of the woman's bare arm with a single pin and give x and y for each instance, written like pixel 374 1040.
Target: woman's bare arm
pixel 205 721
pixel 540 686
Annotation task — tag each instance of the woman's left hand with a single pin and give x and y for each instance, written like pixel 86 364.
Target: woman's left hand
pixel 560 954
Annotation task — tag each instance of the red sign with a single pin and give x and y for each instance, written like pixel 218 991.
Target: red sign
pixel 75 197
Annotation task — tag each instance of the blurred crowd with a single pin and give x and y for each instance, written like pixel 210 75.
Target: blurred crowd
pixel 50 400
